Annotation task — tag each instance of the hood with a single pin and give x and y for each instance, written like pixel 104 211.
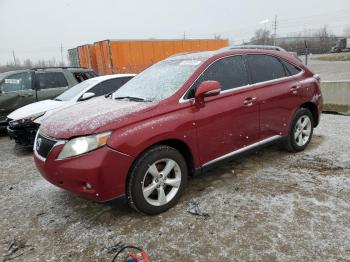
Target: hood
pixel 35 108
pixel 84 118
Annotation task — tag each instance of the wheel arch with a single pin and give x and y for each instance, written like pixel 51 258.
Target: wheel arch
pixel 312 107
pixel 177 144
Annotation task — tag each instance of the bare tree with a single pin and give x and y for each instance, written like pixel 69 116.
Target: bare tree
pixel 27 63
pixel 262 37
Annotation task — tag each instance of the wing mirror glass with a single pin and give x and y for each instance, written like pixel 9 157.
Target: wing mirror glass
pixel 87 96
pixel 208 88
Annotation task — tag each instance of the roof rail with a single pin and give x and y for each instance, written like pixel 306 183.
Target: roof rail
pixel 263 47
pixel 184 53
pixel 58 67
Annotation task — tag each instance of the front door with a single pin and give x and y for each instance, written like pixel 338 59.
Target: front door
pixel 230 120
pixel 15 91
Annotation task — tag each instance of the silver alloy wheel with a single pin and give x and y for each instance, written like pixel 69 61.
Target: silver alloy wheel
pixel 161 182
pixel 302 130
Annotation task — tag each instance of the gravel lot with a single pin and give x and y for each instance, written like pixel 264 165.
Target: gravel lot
pixel 268 206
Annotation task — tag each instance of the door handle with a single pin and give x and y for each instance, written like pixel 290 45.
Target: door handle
pixel 249 101
pixel 295 89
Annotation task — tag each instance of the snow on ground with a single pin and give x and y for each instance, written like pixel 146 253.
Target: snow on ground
pixel 268 206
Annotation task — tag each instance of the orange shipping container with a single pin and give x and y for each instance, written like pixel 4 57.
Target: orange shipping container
pixel 87 56
pixel 133 56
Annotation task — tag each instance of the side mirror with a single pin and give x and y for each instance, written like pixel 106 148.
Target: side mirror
pixel 208 88
pixel 87 96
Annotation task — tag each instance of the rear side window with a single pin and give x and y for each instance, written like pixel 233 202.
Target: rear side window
pixel 229 72
pixel 291 69
pixel 264 68
pixel 82 76
pixel 50 80
pixel 109 86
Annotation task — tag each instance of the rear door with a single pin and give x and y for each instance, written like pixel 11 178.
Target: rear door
pixel 16 91
pixel 50 84
pixel 226 123
pixel 275 87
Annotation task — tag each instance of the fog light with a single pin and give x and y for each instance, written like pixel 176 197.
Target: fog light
pixel 88 185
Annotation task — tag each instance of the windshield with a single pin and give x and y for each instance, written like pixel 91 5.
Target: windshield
pixel 160 80
pixel 76 90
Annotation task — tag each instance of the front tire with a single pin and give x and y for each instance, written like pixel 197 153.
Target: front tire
pixel 301 130
pixel 156 180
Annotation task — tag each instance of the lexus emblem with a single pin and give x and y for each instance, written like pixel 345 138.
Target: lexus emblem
pixel 38 143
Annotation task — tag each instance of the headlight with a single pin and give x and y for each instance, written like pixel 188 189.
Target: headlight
pixel 26 121
pixel 84 144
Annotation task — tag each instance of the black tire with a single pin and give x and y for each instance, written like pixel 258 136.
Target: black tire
pixel 291 142
pixel 136 178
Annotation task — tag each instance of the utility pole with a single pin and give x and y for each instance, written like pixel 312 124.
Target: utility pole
pixel 61 47
pixel 184 35
pixel 275 30
pixel 14 57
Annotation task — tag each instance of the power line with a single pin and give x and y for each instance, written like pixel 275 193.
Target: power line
pixel 61 47
pixel 14 57
pixel 275 30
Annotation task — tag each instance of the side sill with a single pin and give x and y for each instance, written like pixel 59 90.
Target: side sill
pixel 239 153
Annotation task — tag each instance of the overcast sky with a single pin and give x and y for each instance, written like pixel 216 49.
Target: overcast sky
pixel 35 29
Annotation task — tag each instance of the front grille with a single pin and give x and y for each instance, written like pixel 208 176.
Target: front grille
pixel 44 145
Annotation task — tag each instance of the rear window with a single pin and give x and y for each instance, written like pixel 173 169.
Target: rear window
pixel 291 69
pixel 265 68
pixel 82 76
pixel 50 80
pixel 109 86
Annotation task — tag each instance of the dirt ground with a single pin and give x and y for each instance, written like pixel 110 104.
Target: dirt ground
pixel 268 206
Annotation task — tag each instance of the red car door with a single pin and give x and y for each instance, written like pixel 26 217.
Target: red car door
pixel 230 120
pixel 277 92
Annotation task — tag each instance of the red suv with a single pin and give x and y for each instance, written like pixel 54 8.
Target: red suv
pixel 178 117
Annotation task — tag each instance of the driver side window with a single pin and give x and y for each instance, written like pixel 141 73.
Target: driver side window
pixel 16 82
pixel 230 72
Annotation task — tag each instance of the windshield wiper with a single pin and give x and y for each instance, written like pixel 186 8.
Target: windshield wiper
pixel 109 94
pixel 132 98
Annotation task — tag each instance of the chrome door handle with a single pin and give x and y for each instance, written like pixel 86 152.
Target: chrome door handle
pixel 295 89
pixel 249 101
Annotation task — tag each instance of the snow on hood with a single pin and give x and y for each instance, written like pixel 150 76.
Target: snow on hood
pixel 35 108
pixel 85 118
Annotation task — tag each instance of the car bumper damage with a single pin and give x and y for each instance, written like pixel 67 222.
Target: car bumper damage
pixel 23 134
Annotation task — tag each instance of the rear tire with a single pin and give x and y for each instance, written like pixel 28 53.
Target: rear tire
pixel 156 180
pixel 300 131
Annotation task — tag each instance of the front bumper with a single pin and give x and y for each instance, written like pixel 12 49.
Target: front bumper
pixel 104 169
pixel 3 125
pixel 23 136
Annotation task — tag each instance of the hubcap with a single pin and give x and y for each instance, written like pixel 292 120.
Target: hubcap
pixel 161 182
pixel 302 130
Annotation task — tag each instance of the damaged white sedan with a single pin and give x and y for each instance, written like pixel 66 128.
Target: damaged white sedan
pixel 25 121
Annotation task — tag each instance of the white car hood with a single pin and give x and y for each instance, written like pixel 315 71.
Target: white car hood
pixel 36 108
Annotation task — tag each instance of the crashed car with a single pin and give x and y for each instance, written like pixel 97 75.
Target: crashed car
pixel 25 121
pixel 22 87
pixel 179 117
